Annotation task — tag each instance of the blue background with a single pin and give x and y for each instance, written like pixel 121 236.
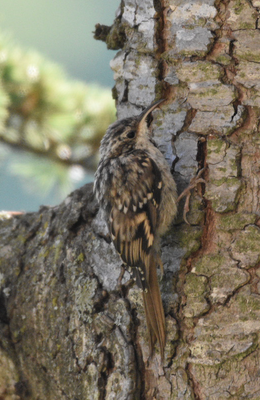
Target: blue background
pixel 61 30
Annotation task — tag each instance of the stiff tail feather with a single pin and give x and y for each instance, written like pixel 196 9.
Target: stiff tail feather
pixel 154 310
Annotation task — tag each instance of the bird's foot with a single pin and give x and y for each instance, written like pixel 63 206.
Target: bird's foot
pixel 187 193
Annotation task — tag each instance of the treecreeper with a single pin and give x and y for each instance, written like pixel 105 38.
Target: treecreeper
pixel 135 188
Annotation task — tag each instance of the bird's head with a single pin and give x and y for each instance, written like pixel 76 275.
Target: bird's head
pixel 127 134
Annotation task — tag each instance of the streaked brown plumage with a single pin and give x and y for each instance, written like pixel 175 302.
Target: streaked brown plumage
pixel 135 188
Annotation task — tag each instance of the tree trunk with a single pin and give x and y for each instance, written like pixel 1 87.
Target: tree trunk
pixel 67 330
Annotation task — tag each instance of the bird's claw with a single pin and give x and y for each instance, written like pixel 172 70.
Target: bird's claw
pixel 187 193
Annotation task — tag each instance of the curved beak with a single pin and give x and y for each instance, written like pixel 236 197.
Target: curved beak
pixel 149 109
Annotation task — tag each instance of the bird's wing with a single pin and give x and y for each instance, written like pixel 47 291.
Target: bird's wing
pixel 133 223
pixel 134 212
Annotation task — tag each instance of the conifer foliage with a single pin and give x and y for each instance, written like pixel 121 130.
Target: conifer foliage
pixel 57 123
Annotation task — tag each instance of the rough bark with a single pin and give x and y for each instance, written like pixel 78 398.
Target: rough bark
pixel 67 330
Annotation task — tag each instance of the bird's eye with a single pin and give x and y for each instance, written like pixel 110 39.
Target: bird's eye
pixel 131 134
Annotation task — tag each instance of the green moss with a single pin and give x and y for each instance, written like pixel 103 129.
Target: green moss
pixel 209 264
pixel 249 304
pixel 231 182
pixel 16 335
pixel 21 238
pixel 198 71
pixel 46 253
pixel 235 221
pixel 248 56
pixel 138 60
pixel 195 288
pixel 190 239
pixel 246 25
pixel 207 93
pixel 201 22
pixel 193 52
pixel 222 169
pixel 249 350
pixel 194 285
pixel 223 59
pixel 217 91
pixel 238 8
pixel 208 68
pixel 80 258
pixel 168 58
pixel 216 145
pixel 247 244
pixel 53 282
pixel 23 329
pixel 55 301
pixel 218 182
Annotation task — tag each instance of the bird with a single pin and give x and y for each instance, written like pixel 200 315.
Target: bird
pixel 135 189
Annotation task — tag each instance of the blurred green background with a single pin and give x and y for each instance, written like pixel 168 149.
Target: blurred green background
pixel 47 112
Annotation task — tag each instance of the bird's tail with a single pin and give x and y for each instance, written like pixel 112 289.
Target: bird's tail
pixel 154 309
